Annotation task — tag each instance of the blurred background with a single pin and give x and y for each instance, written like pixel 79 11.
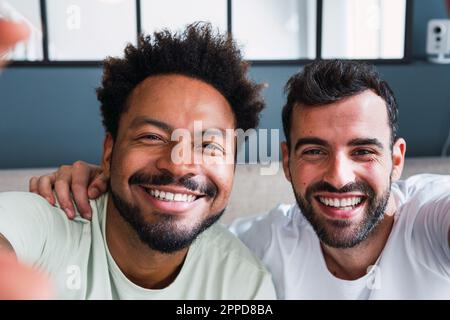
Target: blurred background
pixel 49 114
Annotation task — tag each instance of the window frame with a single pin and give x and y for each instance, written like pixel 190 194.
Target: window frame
pixel 86 63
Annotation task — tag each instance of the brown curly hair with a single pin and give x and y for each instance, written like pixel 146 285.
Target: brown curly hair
pixel 198 52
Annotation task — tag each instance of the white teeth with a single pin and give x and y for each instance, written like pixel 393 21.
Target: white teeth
pixel 168 196
pixel 346 203
pixel 178 197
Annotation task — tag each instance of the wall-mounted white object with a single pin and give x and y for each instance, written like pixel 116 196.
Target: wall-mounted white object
pixel 438 40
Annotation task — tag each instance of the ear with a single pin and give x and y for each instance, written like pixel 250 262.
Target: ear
pixel 285 154
pixel 398 158
pixel 108 144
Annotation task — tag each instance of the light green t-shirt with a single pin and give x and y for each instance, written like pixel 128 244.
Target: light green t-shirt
pixel 75 255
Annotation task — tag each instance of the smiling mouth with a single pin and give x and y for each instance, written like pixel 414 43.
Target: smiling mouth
pixel 172 196
pixel 345 204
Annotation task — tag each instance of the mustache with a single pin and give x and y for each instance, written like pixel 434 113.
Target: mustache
pixel 164 178
pixel 358 186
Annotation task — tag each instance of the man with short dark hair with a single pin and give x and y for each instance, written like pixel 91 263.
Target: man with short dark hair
pixel 153 235
pixel 353 234
pixel 356 232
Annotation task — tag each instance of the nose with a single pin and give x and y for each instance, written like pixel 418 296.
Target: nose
pixel 171 162
pixel 340 171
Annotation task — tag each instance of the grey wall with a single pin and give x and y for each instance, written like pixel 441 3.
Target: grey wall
pixel 50 116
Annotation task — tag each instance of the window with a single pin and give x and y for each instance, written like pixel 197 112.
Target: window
pixel 274 30
pixel 89 29
pixel 369 29
pixel 176 14
pixel 269 31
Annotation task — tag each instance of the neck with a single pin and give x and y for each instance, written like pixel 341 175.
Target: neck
pixel 142 265
pixel 353 263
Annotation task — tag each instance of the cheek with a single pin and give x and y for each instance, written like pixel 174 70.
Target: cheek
pixel 222 176
pixel 377 175
pixel 302 175
pixel 126 162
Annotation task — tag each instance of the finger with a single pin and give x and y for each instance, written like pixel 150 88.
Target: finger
pixel 99 186
pixel 33 185
pixel 11 33
pixel 62 190
pixel 80 182
pixel 45 187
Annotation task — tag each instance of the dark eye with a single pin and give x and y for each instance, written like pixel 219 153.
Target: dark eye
pixel 313 152
pixel 362 152
pixel 151 137
pixel 213 149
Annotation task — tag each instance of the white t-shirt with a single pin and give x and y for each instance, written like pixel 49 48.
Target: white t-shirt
pixel 76 256
pixel 414 264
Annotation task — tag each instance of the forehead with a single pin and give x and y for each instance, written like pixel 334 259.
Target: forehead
pixel 360 116
pixel 178 101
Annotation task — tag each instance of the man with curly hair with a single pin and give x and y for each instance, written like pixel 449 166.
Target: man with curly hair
pixel 153 235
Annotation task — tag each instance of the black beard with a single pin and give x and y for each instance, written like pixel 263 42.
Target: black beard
pixel 162 236
pixel 373 215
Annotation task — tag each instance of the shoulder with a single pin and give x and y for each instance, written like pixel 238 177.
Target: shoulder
pixel 35 207
pixel 220 239
pixel 25 205
pixel 14 199
pixel 258 233
pixel 37 230
pixel 424 218
pixel 27 211
pixel 234 267
pixel 423 197
pixel 421 188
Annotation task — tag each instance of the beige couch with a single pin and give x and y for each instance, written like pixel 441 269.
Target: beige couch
pixel 253 193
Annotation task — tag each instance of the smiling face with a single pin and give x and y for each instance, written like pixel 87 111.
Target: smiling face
pixel 169 203
pixel 341 165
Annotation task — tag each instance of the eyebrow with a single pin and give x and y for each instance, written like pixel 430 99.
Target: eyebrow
pixel 354 142
pixel 310 140
pixel 213 131
pixel 365 142
pixel 140 121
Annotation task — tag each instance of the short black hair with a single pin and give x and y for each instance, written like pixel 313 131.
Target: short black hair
pixel 326 81
pixel 198 52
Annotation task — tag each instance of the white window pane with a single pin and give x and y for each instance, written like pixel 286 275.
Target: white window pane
pixel 369 29
pixel 90 29
pixel 275 30
pixel 27 11
pixel 176 14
